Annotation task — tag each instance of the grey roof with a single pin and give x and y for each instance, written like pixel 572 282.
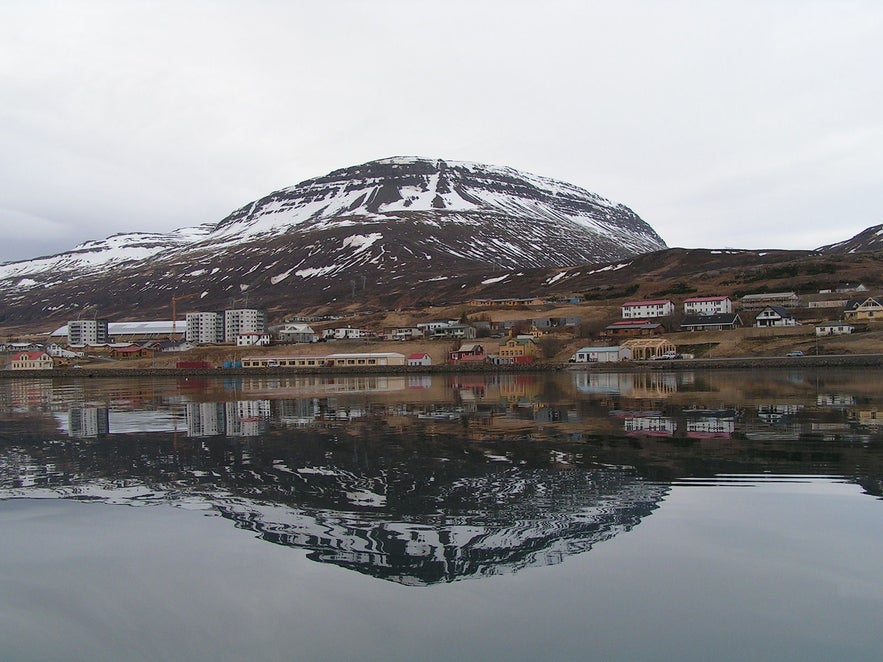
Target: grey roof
pixel 711 320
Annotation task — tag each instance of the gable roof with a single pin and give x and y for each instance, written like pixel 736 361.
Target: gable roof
pixel 781 311
pixel 711 320
pixel 470 347
pixel 31 356
pixel 418 355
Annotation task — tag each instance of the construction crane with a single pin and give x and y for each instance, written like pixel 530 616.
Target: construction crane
pixel 175 300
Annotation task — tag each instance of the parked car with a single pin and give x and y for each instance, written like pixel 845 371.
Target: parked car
pixel 796 352
pixel 667 356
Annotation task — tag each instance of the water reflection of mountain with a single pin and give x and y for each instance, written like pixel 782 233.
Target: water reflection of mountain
pixel 384 508
pixel 500 524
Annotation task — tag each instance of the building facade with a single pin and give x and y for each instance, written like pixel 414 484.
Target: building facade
pixel 774 316
pixel 243 320
pixel 601 355
pixel 38 360
pixel 87 332
pixel 708 306
pixel 647 309
pixel 205 328
pixel 296 333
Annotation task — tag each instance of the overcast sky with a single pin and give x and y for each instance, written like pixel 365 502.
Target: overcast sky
pixel 741 124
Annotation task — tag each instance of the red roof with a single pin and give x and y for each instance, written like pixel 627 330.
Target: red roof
pixel 31 356
pixel 654 302
pixel 417 356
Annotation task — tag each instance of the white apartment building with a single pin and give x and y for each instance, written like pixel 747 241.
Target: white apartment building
pixel 205 328
pixel 347 333
pixel 647 309
pixel 708 306
pixel 243 320
pixel 87 332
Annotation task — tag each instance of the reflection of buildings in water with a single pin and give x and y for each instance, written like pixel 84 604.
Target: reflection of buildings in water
pixel 301 385
pixel 469 388
pixel 655 426
pixel 835 400
pixel 865 417
pixel 87 422
pixel 296 412
pixel 21 395
pixel 519 389
pixel 775 423
pixel 420 382
pixel 777 413
pixel 711 427
pixel 239 418
pixel 601 382
pixel 633 384
pixel 205 419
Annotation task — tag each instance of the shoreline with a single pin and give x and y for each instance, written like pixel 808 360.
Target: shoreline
pixel 735 363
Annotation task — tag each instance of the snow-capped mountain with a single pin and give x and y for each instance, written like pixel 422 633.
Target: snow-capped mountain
pixel 376 228
pixel 865 241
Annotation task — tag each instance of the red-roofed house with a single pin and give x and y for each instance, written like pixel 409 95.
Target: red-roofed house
pixel 418 359
pixel 708 306
pixel 468 353
pixel 644 309
pixel 32 361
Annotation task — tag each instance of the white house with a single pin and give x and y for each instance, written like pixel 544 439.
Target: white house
pixel 346 333
pixel 601 355
pixel 647 309
pixel 419 359
pixel 405 333
pixel 774 316
pixel 834 329
pixel 296 333
pixel 429 328
pixel 252 339
pixel 708 306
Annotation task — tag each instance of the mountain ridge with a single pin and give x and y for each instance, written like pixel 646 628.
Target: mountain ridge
pixel 395 219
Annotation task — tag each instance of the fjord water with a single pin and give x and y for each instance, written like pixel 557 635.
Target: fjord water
pixel 660 515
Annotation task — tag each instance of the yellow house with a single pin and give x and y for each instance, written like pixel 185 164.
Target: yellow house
pixel 869 309
pixel 32 361
pixel 519 348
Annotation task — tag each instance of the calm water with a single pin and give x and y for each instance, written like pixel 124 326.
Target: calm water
pixel 648 516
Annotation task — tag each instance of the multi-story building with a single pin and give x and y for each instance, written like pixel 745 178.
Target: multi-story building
pixel 87 332
pixel 647 309
pixel 205 328
pixel 243 320
pixel 708 306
